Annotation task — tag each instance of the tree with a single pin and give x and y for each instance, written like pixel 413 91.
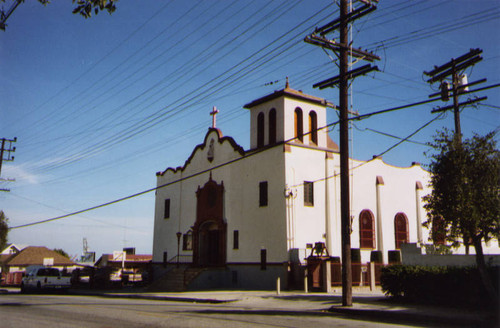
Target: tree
pixel 464 205
pixel 4 230
pixel 83 7
pixel 61 251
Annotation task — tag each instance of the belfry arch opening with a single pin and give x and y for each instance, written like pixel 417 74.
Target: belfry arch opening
pixel 299 125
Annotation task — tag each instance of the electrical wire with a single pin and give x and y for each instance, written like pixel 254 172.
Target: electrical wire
pixel 389 135
pixel 438 117
pixel 106 140
pixel 247 155
pixel 162 115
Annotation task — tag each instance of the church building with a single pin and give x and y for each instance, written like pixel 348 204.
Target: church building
pixel 245 215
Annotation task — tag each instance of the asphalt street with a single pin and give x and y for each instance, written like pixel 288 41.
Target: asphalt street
pixel 18 310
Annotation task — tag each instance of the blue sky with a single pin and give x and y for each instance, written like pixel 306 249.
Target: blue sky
pixel 100 105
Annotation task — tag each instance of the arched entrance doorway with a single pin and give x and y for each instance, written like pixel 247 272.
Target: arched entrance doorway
pixel 209 244
pixel 209 230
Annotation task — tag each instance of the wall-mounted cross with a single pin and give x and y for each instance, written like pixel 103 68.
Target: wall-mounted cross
pixel 214 114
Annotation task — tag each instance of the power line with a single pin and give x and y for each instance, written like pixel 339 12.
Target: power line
pixel 100 60
pixel 440 28
pixel 105 140
pixel 492 106
pixel 406 139
pixel 248 154
pixel 163 114
pixel 389 135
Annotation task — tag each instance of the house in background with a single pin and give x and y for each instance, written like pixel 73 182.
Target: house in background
pixel 14 266
pixel 8 252
pixel 11 249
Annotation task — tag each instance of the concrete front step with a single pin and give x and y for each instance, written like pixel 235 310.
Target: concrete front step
pixel 175 280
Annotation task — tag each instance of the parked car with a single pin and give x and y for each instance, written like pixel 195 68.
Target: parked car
pixel 82 276
pixel 41 277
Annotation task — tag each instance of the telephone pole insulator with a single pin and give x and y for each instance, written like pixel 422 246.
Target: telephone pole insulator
pixel 445 91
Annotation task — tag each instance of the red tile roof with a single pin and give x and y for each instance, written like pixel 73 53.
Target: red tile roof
pixel 131 258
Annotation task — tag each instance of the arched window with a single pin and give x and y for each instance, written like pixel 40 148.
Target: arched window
pixel 272 126
pixel 299 126
pixel 366 230
pixel 401 229
pixel 260 130
pixel 313 127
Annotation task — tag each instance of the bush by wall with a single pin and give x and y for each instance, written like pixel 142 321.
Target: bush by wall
pixel 435 285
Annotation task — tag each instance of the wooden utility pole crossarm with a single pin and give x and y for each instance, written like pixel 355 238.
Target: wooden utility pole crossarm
pixel 452 70
pixel 343 49
pixel 6 151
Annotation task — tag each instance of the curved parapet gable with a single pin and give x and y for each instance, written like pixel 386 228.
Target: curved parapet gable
pixel 201 147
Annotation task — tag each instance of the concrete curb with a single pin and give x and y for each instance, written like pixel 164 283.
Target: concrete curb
pixel 153 297
pixel 413 317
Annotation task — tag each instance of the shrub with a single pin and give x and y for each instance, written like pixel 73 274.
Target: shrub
pixel 445 285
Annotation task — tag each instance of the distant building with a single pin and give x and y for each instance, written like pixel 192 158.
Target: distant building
pixel 125 263
pixel 12 249
pixel 14 265
pixel 247 216
pixel 8 252
pixel 131 262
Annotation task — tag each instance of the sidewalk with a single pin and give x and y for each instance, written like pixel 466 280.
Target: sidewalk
pixel 367 305
pixel 370 306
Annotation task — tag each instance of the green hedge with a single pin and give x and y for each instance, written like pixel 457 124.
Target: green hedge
pixel 451 285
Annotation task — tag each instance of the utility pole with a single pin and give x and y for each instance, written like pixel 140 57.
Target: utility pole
pixel 459 85
pixel 343 50
pixel 5 155
pixel 451 70
pixel 345 213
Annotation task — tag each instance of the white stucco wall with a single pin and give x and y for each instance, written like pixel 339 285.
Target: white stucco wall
pixel 307 222
pixel 397 195
pixel 259 227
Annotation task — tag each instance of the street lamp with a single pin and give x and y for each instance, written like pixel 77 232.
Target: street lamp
pixel 179 234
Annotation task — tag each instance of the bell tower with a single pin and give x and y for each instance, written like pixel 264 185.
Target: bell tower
pixel 287 114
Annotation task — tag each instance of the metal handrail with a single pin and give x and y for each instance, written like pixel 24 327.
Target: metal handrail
pixel 180 259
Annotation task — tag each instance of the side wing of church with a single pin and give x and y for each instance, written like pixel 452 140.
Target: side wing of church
pixel 250 216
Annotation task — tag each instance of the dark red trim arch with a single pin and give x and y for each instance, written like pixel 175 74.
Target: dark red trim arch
pixel 366 230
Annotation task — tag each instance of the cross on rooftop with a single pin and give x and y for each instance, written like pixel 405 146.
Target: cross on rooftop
pixel 213 113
